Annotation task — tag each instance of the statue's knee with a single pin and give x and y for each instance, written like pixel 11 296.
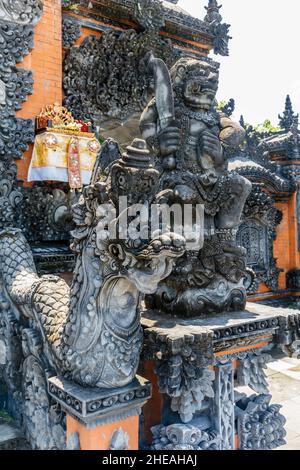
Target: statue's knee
pixel 241 186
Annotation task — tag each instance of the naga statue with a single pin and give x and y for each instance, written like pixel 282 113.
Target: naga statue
pixel 189 136
pixel 90 332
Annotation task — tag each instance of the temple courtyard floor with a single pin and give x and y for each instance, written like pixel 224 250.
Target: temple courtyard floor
pixel 284 382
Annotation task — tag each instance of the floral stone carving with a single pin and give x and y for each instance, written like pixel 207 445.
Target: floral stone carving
pixel 89 333
pixel 95 90
pixel 260 424
pixel 183 437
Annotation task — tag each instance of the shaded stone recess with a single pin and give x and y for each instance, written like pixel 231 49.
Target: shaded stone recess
pixel 234 350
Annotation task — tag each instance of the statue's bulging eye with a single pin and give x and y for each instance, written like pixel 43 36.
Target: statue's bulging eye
pixel 195 88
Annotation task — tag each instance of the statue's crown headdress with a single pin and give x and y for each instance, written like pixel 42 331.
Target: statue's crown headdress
pixel 187 68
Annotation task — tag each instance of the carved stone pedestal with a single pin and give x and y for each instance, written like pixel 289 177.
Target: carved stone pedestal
pixel 204 372
pixel 100 419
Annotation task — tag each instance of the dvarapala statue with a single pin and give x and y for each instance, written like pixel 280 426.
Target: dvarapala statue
pixel 189 136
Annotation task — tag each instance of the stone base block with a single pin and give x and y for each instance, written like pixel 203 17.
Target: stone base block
pixel 101 419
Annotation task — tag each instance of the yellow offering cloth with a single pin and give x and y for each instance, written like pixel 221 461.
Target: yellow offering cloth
pixel 66 156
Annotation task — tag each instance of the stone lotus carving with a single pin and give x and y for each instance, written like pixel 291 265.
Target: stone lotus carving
pixel 189 136
pixel 90 333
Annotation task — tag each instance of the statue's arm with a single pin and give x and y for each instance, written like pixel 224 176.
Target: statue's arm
pixel 148 126
pixel 232 134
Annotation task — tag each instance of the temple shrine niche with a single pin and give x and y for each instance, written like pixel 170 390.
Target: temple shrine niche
pixel 142 341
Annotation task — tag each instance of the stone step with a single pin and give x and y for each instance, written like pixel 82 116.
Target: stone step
pixel 11 437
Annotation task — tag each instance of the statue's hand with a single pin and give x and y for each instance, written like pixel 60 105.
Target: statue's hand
pixel 169 140
pixel 211 145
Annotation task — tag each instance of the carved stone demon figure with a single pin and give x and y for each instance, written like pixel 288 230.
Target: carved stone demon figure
pixel 182 125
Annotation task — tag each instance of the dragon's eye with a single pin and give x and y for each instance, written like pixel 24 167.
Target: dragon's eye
pixel 121 180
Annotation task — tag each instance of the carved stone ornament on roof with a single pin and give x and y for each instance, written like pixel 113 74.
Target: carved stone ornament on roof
pixel 219 30
pixel 287 119
pixel 213 12
pixel 149 14
pixel 21 11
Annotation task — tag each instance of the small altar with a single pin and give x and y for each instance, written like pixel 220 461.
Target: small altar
pixel 203 373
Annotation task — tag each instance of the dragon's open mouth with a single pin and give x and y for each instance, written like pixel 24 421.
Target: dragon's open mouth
pixel 152 263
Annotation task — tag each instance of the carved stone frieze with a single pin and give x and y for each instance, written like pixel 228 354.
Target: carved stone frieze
pixel 10 196
pixel 71 31
pixel 16 40
pixel 17 85
pixel 11 357
pixel 181 367
pixel 21 11
pixel 15 135
pixel 184 437
pixel 149 14
pixel 95 89
pixel 44 423
pixel 260 425
pixel 95 405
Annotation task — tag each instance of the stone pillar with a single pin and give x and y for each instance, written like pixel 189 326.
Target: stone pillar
pixel 101 419
pixel 223 407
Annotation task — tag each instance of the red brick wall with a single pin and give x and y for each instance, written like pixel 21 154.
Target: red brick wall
pixel 45 61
